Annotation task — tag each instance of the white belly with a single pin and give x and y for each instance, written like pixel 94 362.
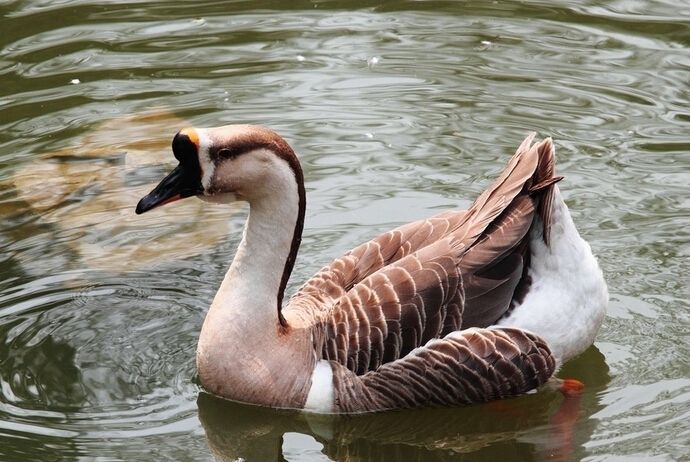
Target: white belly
pixel 567 299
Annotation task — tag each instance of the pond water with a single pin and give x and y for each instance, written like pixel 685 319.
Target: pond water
pixel 398 109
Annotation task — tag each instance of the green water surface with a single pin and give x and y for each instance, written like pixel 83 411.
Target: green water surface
pixel 398 109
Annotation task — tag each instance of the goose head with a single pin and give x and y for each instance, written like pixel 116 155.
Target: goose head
pixel 227 164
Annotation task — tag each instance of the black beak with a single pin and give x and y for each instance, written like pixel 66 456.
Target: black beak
pixel 180 183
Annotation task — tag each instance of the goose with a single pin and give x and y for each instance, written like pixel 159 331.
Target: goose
pixel 464 307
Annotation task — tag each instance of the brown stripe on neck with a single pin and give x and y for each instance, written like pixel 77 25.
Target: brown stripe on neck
pixel 258 137
pixel 286 153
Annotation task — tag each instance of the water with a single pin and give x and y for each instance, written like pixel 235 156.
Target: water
pixel 398 110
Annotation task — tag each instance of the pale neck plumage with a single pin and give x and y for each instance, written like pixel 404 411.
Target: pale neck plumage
pixel 251 292
pixel 244 343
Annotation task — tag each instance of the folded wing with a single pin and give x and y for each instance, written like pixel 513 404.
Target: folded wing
pixel 471 366
pixel 429 278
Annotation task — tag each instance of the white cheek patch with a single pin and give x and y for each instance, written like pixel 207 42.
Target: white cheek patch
pixel 207 166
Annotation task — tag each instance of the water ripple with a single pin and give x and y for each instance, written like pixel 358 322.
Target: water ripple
pixel 398 110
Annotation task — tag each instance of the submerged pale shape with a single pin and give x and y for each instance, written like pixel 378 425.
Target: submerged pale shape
pixel 108 169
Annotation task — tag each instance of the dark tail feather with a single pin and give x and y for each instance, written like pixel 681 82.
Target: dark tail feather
pixel 542 184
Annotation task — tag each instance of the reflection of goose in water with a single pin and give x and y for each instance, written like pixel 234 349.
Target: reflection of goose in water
pixel 86 191
pixel 532 427
pixel 465 307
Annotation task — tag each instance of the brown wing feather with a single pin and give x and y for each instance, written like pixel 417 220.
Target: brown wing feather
pixel 396 309
pixel 465 367
pixel 545 177
pixel 336 279
pixel 428 278
pixel 496 233
pixel 493 266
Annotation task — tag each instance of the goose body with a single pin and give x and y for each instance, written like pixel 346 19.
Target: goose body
pixel 463 307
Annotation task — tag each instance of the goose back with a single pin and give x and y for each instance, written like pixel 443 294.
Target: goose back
pixel 426 279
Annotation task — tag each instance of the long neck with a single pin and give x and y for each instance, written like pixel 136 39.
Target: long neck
pixel 254 286
pixel 245 344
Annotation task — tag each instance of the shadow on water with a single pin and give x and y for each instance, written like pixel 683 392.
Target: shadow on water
pixel 43 374
pixel 37 375
pixel 531 427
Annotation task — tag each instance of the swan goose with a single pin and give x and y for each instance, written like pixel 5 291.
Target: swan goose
pixel 463 307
